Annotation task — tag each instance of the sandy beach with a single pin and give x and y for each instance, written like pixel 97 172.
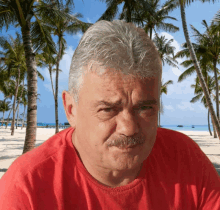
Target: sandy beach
pixel 12 146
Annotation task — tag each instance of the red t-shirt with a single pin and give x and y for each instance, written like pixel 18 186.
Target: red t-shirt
pixel 176 175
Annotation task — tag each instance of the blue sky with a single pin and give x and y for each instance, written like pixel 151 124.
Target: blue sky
pixel 177 108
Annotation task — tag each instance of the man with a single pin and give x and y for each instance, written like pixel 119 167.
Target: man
pixel 113 156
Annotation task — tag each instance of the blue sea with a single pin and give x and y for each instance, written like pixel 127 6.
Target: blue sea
pixel 172 127
pixel 188 127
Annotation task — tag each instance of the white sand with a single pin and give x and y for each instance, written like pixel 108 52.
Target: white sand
pixel 12 146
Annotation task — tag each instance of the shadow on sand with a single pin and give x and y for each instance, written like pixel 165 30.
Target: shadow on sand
pixel 8 157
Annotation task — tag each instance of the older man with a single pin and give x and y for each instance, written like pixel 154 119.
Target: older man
pixel 113 156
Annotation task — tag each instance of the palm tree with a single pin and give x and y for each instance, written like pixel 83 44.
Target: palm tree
pixel 35 34
pixel 204 60
pixel 24 102
pixel 200 95
pixel 163 89
pixel 4 107
pixel 166 50
pixel 10 85
pixel 181 4
pixel 130 8
pixel 157 21
pixel 211 42
pixel 22 91
pixel 59 27
pixel 15 61
pixel 48 60
pixel 4 79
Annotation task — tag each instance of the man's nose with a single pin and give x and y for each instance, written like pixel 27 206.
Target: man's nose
pixel 127 124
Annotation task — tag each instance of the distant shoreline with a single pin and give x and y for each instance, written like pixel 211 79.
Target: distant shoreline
pixel 172 127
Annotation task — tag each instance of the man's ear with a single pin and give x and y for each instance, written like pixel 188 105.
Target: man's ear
pixel 69 107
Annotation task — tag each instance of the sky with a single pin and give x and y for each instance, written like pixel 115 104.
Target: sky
pixel 177 106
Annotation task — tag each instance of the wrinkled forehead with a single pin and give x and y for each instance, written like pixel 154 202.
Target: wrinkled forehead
pixel 115 87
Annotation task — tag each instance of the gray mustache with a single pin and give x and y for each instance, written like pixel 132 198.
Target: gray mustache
pixel 124 142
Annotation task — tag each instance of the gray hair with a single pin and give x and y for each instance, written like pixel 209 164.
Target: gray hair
pixel 117 45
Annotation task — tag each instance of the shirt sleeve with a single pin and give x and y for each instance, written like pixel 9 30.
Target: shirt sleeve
pixel 12 196
pixel 210 192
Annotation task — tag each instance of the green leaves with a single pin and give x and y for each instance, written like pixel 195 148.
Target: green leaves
pixel 5 105
pixel 111 11
pixel 41 36
pixel 163 88
pixel 166 50
pixel 152 16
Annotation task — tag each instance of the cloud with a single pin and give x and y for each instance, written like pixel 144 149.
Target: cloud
pixel 178 90
pixel 88 20
pixel 63 76
pixel 78 35
pixel 48 87
pixel 169 107
pixel 176 71
pixel 185 106
pixel 65 64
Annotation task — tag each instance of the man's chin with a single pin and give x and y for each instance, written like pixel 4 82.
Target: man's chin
pixel 128 162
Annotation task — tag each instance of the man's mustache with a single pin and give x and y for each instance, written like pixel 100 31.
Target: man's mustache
pixel 124 142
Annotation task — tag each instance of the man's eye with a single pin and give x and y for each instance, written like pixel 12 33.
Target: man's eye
pixel 107 109
pixel 146 107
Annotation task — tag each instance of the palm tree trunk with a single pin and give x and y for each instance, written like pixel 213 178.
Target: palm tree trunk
pixel 56 90
pixel 18 103
pixel 217 88
pixel 14 103
pixel 209 124
pixel 128 12
pixel 23 117
pixel 51 79
pixel 3 117
pixel 197 67
pixel 8 118
pixel 17 109
pixel 214 130
pixel 31 129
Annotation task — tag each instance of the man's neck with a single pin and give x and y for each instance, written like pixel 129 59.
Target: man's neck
pixel 112 178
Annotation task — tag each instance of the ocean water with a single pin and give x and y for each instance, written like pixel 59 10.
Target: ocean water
pixel 188 127
pixel 172 127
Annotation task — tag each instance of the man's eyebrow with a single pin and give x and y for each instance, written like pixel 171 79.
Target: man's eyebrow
pixel 107 103
pixel 117 103
pixel 147 102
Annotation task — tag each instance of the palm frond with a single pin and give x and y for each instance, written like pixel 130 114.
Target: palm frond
pixel 40 75
pixel 41 36
pixel 171 62
pixel 196 98
pixel 186 73
pixel 7 15
pixel 111 11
